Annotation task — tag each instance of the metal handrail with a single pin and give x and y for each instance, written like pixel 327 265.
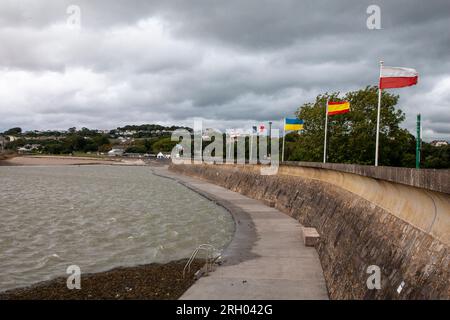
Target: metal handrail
pixel 209 259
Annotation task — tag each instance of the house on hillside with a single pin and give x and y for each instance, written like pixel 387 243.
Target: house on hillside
pixel 116 152
pixel 439 143
pixel 28 148
pixel 161 155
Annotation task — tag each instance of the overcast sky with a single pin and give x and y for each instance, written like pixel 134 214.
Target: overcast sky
pixel 232 63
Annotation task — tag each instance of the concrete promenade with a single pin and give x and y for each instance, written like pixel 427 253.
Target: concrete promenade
pixel 266 258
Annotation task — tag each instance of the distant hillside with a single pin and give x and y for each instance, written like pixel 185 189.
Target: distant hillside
pixel 150 127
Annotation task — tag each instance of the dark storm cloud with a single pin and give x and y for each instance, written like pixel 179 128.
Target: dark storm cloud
pixel 232 63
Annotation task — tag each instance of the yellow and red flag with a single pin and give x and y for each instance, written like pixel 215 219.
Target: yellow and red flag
pixel 338 107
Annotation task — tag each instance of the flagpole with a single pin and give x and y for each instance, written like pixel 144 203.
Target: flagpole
pixel 284 135
pixel 229 148
pixel 326 130
pixel 251 147
pixel 378 117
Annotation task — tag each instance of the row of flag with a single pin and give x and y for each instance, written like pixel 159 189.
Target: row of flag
pixel 332 108
pixel 390 77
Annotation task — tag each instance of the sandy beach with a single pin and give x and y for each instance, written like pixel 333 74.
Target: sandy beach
pixel 66 160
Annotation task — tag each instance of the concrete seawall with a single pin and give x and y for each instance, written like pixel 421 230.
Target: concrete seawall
pixel 362 221
pixel 266 259
pixel 429 179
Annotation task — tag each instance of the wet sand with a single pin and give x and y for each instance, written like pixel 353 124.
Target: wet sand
pixel 6 156
pixel 66 160
pixel 149 282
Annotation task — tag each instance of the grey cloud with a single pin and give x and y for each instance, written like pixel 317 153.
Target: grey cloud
pixel 232 63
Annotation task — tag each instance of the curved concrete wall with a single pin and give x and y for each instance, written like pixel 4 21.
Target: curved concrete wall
pixel 430 179
pixel 362 221
pixel 427 210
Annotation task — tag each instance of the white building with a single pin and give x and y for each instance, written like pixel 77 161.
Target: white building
pixel 160 155
pixel 28 148
pixel 439 143
pixel 116 152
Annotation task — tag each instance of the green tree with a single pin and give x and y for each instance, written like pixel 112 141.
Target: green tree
pixel 16 144
pixel 105 148
pixel 54 148
pixel 136 149
pixel 13 131
pixel 351 136
pixel 164 145
pixel 100 140
pixel 435 157
pixel 74 142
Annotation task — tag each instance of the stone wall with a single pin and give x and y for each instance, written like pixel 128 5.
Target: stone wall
pixel 355 233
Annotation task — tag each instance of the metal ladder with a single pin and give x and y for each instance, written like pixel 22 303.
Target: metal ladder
pixel 209 257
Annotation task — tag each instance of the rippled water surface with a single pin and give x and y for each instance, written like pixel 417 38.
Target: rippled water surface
pixel 98 217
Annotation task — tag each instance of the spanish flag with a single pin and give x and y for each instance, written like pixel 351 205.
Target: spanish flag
pixel 338 107
pixel 293 124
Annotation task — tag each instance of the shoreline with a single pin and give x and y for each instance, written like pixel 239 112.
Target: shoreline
pixel 76 161
pixel 155 281
pixel 52 160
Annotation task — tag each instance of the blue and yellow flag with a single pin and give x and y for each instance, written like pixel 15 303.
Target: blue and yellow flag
pixel 293 124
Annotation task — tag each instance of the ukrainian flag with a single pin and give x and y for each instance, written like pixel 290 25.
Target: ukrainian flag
pixel 293 124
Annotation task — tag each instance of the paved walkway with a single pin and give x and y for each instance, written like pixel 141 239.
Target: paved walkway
pixel 266 258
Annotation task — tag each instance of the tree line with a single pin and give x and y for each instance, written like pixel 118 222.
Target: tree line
pixel 86 140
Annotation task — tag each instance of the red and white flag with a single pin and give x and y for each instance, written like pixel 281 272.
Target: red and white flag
pixel 262 128
pixel 395 77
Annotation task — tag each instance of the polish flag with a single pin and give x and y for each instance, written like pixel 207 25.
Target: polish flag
pixel 262 128
pixel 395 77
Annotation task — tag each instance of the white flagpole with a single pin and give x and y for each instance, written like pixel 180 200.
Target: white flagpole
pixel 251 147
pixel 378 117
pixel 326 130
pixel 284 135
pixel 230 146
